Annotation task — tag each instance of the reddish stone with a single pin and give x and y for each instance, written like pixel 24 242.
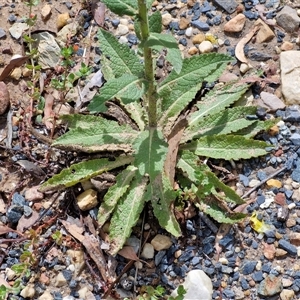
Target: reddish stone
pixel 280 199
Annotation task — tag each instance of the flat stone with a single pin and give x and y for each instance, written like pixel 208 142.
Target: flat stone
pixel 60 280
pixel 248 267
pixel 161 242
pixel 2 33
pixel 183 23
pixel 28 291
pixel 62 20
pixel 77 259
pixel 49 51
pixel 270 286
pixel 295 138
pixel 46 296
pixel 32 194
pixel 265 33
pixel 46 12
pixel 228 5
pixel 236 24
pixel 87 200
pixel 198 38
pixel 17 30
pixel 287 46
pixel 288 19
pixel 122 29
pixel 67 32
pixel 290 76
pixel 295 238
pixel 274 183
pixel 193 50
pixel 272 101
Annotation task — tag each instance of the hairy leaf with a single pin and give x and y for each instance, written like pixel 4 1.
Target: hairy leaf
pixel 83 171
pixel 122 59
pixel 137 113
pixel 218 214
pixel 155 22
pixel 256 127
pixel 101 133
pixel 122 7
pixel 224 122
pixel 216 101
pixel 127 88
pixel 230 194
pixel 114 194
pixel 83 121
pixel 127 213
pixel 227 147
pixel 178 90
pixel 160 41
pixel 163 196
pixel 150 153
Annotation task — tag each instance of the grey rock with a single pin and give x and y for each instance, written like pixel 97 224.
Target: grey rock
pixel 259 56
pixel 290 79
pixel 288 19
pixel 49 51
pixel 288 247
pixel 295 138
pixel 2 33
pixel 292 114
pixel 248 267
pixel 228 5
pixel 270 286
pixel 17 30
pixel 14 213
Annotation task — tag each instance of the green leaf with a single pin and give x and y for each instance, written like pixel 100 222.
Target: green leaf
pixel 122 59
pixel 189 163
pixel 222 217
pixel 216 183
pixel 256 127
pixel 223 122
pixel 137 113
pixel 216 101
pixel 149 3
pixel 83 121
pixel 19 268
pixel 83 171
pixel 98 135
pixel 178 90
pixel 122 7
pixel 163 196
pixel 150 152
pixel 158 41
pixel 127 88
pixel 155 22
pixel 227 147
pixel 114 194
pixel 3 291
pixel 127 214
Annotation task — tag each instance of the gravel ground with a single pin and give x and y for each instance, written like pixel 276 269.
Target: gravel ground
pixel 241 262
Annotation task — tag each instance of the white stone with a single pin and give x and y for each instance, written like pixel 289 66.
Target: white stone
pixel 197 285
pixel 254 182
pixel 122 29
pixel 123 39
pixel 166 19
pixel 221 42
pixel 46 11
pixel 290 76
pixel 28 291
pixel 223 260
pixel 206 47
pixel 244 68
pixel 189 32
pixel 148 251
pixel 87 200
pixel 161 242
pixel 46 296
pixel 10 274
pixel 124 21
pixel 77 259
pixel 291 205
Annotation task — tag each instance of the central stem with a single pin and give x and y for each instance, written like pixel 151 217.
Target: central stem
pixel 151 96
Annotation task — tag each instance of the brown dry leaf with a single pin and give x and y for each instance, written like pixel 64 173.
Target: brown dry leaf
pixel 88 221
pixel 269 250
pixel 174 140
pixel 5 229
pixel 16 61
pixel 128 252
pixel 93 248
pixel 48 111
pixel 74 230
pixel 25 222
pixel 98 10
pixel 4 97
pixel 239 49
